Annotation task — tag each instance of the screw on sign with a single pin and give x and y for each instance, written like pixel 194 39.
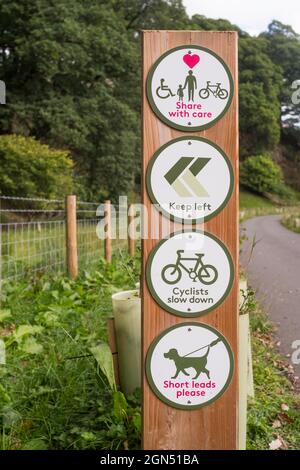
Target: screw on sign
pixel 190 88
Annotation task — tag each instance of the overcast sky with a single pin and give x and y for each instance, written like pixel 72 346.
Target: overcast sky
pixel 252 16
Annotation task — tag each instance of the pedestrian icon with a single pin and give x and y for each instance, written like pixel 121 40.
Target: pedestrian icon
pixel 191 84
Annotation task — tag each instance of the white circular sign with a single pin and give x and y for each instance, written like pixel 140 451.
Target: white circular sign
pixel 190 179
pixel 190 87
pixel 189 365
pixel 190 273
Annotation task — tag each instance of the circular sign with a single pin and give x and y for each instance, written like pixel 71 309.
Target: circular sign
pixel 190 179
pixel 189 365
pixel 190 88
pixel 190 273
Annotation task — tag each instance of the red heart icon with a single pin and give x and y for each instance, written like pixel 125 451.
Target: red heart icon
pixel 191 60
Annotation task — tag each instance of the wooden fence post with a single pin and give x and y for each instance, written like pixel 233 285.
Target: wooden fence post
pixel 113 347
pixel 107 240
pixel 71 236
pixel 131 239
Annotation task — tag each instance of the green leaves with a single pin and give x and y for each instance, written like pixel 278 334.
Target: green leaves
pixel 21 332
pixel 10 416
pixel 261 174
pixel 4 397
pixel 35 444
pixel 31 346
pixel 103 356
pixel 33 169
pixel 120 406
pixel 66 400
pixel 77 89
pixel 24 330
pixel 260 81
pixel 5 313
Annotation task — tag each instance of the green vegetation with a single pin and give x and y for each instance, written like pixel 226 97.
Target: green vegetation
pixel 253 201
pixel 53 392
pixel 32 169
pixel 73 72
pixel 73 75
pixel 292 222
pixel 72 121
pixel 41 246
pixel 261 174
pixel 260 81
pixel 49 397
pixel 284 51
pixel 273 415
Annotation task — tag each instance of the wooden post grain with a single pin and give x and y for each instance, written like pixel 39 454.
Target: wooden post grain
pixel 107 240
pixel 113 347
pixel 131 232
pixel 213 426
pixel 71 236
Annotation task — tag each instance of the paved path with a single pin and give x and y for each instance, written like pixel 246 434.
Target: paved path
pixel 274 273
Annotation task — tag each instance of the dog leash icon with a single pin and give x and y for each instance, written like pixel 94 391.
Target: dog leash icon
pixel 203 347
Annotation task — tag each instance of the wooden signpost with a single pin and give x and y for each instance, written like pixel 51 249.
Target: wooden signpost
pixel 190 282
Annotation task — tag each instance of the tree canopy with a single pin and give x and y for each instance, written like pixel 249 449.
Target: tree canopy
pixel 72 71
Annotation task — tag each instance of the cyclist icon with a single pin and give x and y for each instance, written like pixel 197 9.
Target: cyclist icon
pixel 163 91
pixel 215 90
pixel 205 273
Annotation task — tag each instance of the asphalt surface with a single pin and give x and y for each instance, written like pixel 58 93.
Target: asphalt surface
pixel 273 271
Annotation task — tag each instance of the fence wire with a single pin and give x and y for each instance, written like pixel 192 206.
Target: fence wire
pixel 33 236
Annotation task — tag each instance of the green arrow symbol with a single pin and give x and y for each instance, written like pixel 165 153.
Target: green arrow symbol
pixel 181 173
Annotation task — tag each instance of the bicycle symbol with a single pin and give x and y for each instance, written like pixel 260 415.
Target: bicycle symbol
pixel 216 90
pixel 205 273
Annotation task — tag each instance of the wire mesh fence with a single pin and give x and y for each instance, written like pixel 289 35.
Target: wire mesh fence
pixel 33 236
pixel 32 246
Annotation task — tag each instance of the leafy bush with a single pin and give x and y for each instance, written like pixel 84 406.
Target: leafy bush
pixel 57 389
pixel 292 222
pixel 287 194
pixel 32 169
pixel 261 174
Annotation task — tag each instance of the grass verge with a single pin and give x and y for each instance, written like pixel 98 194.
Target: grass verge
pixel 273 415
pixel 52 394
pixel 292 222
pixel 252 201
pixel 252 205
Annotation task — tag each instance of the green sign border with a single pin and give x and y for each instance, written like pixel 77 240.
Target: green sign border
pixel 164 211
pixel 151 381
pixel 160 302
pixel 157 111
